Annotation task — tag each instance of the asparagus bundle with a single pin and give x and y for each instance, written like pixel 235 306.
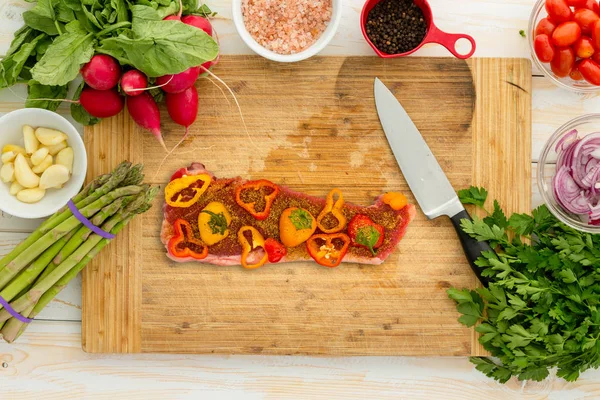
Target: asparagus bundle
pixel 43 264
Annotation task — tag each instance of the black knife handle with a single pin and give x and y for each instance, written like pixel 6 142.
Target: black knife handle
pixel 472 247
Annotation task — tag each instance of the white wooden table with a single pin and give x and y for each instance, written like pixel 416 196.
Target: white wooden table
pixel 48 363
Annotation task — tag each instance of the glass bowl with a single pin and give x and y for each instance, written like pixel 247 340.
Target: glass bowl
pixel 582 86
pixel 585 125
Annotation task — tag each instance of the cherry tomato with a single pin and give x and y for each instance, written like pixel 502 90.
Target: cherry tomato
pixel 596 56
pixel 545 26
pixel 544 50
pixel 559 10
pixel 575 74
pixel 596 35
pixel 566 34
pixel 576 3
pixel 583 47
pixel 590 70
pixel 592 5
pixel 563 62
pixel 585 19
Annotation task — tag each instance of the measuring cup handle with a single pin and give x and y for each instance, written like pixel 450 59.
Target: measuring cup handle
pixel 448 40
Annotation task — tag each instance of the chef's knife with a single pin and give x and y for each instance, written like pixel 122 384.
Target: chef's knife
pixel 426 179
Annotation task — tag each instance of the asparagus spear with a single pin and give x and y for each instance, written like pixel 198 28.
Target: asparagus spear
pixel 41 244
pixel 42 286
pixel 59 251
pixel 13 327
pixel 111 183
pixel 134 176
pixel 28 276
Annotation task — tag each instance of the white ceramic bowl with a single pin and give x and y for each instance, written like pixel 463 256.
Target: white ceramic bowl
pixel 320 44
pixel 11 132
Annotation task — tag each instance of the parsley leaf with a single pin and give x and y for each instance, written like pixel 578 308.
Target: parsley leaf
pixel 473 195
pixel 541 309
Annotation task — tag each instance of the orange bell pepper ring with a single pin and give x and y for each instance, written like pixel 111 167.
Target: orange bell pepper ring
pixel 187 190
pixel 395 200
pixel 335 208
pixel 267 199
pixel 183 244
pixel 256 241
pixel 328 249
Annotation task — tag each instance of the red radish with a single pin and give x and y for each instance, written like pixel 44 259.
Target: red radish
pixel 183 107
pixel 102 72
pixel 101 103
pixel 199 22
pixel 145 113
pixel 180 82
pixel 133 82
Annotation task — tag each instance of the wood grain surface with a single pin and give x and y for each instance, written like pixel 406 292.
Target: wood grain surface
pixel 313 132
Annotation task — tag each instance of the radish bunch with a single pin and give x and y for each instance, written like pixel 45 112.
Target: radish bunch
pixel 101 98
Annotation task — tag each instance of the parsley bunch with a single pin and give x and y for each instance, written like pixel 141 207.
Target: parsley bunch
pixel 540 310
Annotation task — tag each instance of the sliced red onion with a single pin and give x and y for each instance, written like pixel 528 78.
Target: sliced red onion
pixel 591 177
pixel 576 183
pixel 591 163
pixel 566 140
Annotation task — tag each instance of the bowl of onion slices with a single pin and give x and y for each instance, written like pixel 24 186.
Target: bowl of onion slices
pixel 569 173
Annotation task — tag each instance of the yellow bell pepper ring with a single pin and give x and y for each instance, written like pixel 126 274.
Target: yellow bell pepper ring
pixel 256 241
pixel 187 190
pixel 335 209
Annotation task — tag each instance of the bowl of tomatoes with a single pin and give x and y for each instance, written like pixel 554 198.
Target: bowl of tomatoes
pixel 564 37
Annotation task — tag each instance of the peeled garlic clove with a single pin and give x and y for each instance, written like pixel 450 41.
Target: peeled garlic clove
pixel 9 156
pixel 54 176
pixel 14 148
pixel 39 156
pixel 41 167
pixel 7 173
pixel 65 157
pixel 31 195
pixel 50 137
pixel 15 188
pixel 31 141
pixel 24 174
pixel 54 150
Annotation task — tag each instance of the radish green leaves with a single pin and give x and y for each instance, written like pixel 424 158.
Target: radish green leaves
pixel 60 36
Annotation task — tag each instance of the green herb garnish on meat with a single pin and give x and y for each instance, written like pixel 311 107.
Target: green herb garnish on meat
pixel 541 308
pixel 301 219
pixel 217 223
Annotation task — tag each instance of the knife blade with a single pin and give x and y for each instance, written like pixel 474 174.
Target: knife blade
pixel 423 173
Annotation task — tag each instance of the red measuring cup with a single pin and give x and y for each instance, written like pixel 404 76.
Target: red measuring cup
pixel 434 34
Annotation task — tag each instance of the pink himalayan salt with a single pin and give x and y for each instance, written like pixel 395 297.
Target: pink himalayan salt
pixel 286 26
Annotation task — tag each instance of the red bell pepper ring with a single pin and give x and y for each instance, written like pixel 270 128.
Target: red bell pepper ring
pixel 275 250
pixel 251 206
pixel 328 249
pixel 183 244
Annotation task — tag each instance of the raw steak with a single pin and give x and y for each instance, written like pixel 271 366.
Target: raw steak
pixel 228 251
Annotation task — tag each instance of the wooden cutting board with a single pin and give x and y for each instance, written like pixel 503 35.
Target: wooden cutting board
pixel 312 126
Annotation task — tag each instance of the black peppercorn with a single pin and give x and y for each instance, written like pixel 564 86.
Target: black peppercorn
pixel 396 26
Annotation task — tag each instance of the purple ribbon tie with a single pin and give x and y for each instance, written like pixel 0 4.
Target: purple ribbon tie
pixel 87 223
pixel 12 311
